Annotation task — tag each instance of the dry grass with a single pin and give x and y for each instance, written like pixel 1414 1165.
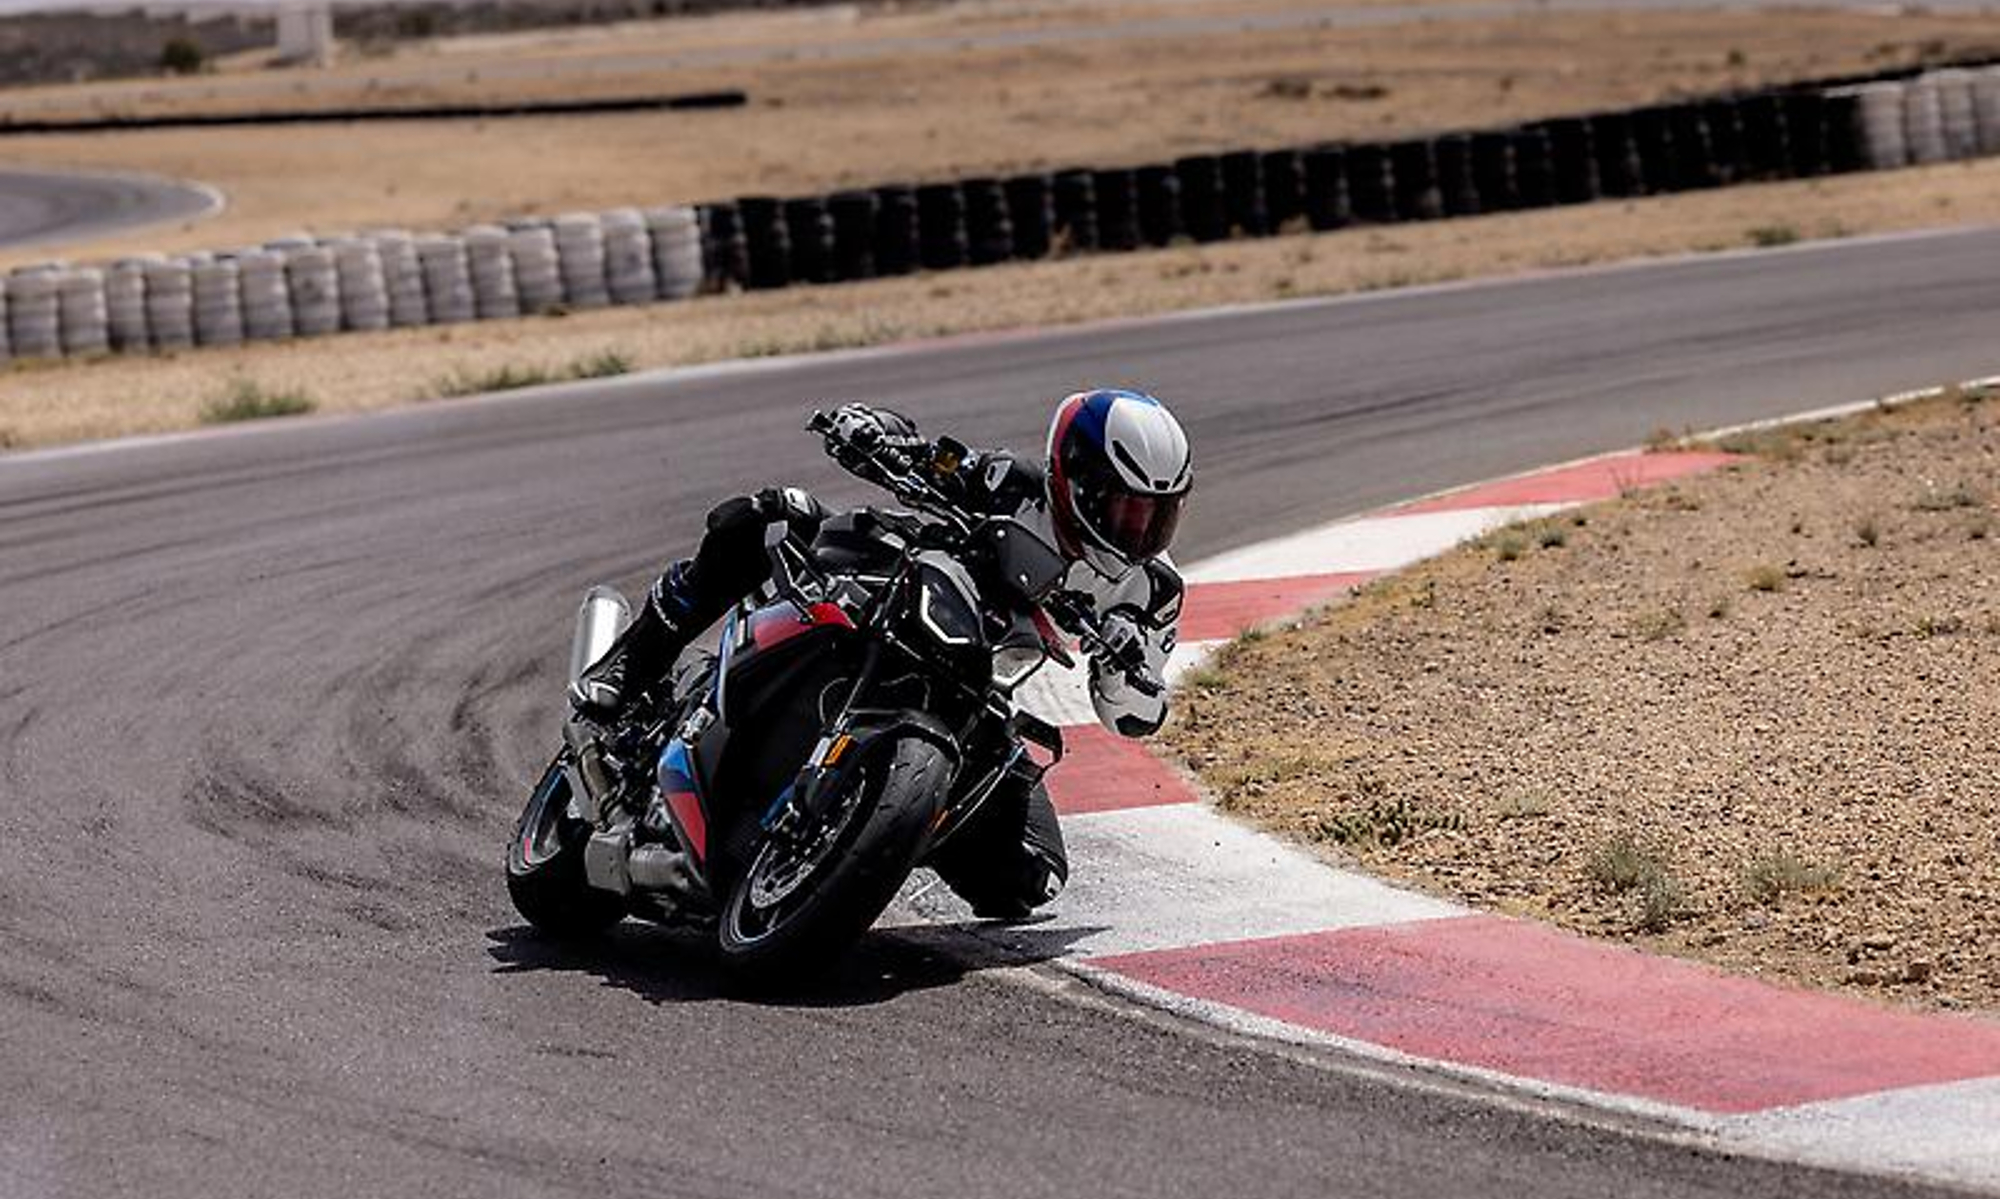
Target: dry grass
pixel 1801 786
pixel 903 98
pixel 48 403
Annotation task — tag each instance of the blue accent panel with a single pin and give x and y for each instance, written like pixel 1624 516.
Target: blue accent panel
pixel 677 769
pixel 778 804
pixel 1095 412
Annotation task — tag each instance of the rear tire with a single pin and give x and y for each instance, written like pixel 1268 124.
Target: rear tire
pixel 831 909
pixel 545 875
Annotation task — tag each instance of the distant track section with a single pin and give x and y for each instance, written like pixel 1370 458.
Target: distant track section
pixel 46 207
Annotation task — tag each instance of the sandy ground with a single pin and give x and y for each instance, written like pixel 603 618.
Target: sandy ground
pixel 43 404
pixel 926 95
pixel 1749 718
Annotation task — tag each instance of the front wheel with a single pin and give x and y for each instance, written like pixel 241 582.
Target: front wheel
pixel 799 906
pixel 545 875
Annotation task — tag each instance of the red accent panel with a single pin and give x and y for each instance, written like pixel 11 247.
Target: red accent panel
pixel 1218 610
pixel 1532 1002
pixel 1103 772
pixel 1600 479
pixel 686 807
pixel 775 626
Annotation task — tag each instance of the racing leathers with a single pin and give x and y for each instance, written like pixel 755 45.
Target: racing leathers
pixel 1010 859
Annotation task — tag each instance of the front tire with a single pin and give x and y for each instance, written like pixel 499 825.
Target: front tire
pixel 545 875
pixel 899 788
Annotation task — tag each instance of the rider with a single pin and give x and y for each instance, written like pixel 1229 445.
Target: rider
pixel 1109 497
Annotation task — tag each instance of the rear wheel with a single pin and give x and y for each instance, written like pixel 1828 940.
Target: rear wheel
pixel 545 865
pixel 797 907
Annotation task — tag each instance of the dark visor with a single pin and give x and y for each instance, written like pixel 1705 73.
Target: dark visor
pixel 1138 526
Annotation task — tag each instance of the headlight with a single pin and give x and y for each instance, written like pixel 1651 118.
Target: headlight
pixel 1013 664
pixel 945 614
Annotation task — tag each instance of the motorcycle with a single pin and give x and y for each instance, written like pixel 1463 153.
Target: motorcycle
pixel 859 712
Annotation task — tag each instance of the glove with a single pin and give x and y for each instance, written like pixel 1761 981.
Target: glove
pixel 1124 648
pixel 857 425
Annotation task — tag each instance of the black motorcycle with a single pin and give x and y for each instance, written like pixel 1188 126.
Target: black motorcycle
pixel 859 711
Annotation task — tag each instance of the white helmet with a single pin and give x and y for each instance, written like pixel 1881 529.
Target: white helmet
pixel 1119 472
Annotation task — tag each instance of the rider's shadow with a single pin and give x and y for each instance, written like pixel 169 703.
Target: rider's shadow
pixel 664 966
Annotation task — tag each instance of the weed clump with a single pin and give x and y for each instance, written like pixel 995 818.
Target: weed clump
pixel 1770 878
pixel 249 400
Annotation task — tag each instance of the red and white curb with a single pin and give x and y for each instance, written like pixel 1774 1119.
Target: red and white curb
pixel 1177 906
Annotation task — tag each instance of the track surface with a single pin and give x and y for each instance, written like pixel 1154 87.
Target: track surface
pixel 270 701
pixel 47 207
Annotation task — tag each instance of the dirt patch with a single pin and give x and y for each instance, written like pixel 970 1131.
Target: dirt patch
pixel 843 98
pixel 72 400
pixel 1749 718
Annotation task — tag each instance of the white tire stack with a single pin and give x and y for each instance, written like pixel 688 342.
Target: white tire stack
pixel 315 287
pixel 1923 121
pixel 1878 117
pixel 538 283
pixel 677 264
pixel 1957 113
pixel 218 307
pixel 580 249
pixel 170 305
pixel 267 298
pixel 403 276
pixel 492 268
pixel 628 258
pixel 364 295
pixel 34 315
pixel 447 279
pixel 85 325
pixel 1986 108
pixel 125 305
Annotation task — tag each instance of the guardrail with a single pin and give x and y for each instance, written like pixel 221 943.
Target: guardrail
pixel 299 287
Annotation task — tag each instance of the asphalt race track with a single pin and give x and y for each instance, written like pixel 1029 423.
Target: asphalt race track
pixel 46 207
pixel 269 700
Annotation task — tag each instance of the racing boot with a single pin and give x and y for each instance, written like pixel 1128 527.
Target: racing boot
pixel 645 651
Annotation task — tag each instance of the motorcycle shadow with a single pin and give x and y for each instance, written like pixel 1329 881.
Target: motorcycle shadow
pixel 669 966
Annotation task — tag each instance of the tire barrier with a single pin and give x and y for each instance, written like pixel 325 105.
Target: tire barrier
pixel 628 258
pixel 1370 195
pixel 297 286
pixel 314 281
pixel 1117 209
pixel 265 300
pixel 448 279
pixel 1204 215
pixel 767 246
pixel 125 305
pixel 1031 212
pixel 808 239
pixel 80 304
pixel 895 230
pixel 363 293
pixel 170 305
pixel 989 227
pixel 218 306
pixel 1324 171
pixel 1243 200
pixel 675 235
pixel 1284 187
pixel 580 253
pixel 940 226
pixel 1413 173
pixel 725 251
pixel 34 315
pixel 1075 209
pixel 403 276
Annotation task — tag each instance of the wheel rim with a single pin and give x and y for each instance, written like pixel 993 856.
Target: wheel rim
pixel 758 908
pixel 542 832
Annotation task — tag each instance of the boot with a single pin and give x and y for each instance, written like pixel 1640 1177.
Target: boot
pixel 645 651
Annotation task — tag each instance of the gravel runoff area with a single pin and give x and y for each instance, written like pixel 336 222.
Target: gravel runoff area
pixel 79 400
pixel 1750 718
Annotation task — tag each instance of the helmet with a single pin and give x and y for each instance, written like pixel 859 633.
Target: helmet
pixel 1118 474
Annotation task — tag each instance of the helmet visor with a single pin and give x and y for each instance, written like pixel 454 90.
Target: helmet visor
pixel 1138 526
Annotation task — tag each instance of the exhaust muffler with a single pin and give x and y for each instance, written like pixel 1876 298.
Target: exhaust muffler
pixel 602 617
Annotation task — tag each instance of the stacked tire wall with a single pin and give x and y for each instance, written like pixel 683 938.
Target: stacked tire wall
pixel 311 287
pixel 306 287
